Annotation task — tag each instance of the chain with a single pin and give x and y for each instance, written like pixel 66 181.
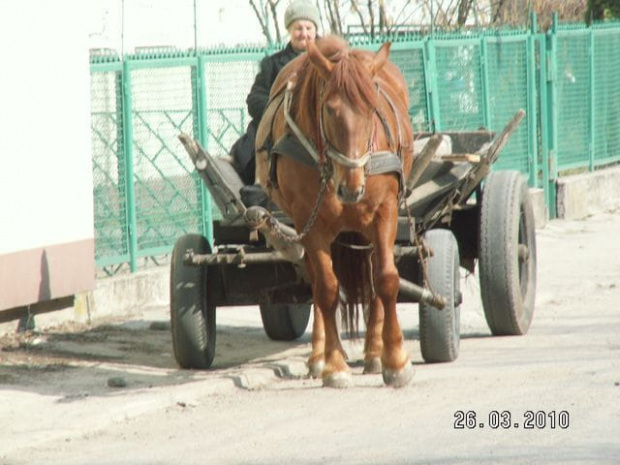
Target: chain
pixel 275 225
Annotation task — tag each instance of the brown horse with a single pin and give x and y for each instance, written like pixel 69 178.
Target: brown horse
pixel 348 109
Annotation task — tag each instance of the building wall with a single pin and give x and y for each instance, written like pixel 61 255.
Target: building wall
pixel 46 195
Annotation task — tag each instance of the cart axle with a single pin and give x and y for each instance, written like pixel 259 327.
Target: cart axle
pixel 419 294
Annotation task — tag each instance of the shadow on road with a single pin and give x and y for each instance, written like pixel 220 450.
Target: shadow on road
pixel 77 361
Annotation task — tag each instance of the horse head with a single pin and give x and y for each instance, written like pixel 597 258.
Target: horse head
pixel 346 103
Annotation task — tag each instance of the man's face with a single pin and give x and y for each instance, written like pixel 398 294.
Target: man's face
pixel 301 32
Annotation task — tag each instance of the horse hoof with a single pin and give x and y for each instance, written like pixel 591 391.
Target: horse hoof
pixel 316 368
pixel 372 366
pixel 398 378
pixel 338 380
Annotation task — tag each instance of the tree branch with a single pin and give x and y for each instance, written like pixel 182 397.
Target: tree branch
pixel 356 8
pixel 274 14
pixel 371 13
pixel 263 23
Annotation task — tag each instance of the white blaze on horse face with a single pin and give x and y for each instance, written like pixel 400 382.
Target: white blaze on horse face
pixel 349 133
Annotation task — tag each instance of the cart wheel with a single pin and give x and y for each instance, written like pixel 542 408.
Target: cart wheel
pixel 285 322
pixel 192 316
pixel 440 329
pixel 507 253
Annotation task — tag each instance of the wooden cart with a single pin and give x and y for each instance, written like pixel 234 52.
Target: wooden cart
pixel 456 212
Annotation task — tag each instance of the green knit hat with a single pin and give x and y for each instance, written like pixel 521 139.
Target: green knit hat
pixel 301 9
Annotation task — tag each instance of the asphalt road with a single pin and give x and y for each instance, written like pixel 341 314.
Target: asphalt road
pixel 552 396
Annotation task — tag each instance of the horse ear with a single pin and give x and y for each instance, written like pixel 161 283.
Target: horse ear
pixel 322 64
pixel 381 57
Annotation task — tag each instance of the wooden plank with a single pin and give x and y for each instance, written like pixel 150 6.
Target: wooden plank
pixel 456 157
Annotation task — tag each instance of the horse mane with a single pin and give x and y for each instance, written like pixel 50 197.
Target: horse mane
pixel 351 76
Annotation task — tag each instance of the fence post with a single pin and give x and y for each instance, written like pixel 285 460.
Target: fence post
pixel 550 133
pixel 532 113
pixel 432 90
pixel 129 179
pixel 484 80
pixel 591 129
pixel 203 138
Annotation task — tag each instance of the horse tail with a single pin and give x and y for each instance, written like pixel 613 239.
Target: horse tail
pixel 352 265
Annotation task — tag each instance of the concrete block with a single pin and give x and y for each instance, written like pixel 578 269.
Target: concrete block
pixel 123 294
pixel 586 194
pixel 541 214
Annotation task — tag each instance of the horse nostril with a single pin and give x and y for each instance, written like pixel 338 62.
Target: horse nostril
pixel 350 196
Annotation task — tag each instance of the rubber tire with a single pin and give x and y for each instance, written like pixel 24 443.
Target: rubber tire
pixel 507 283
pixel 440 329
pixel 285 322
pixel 192 317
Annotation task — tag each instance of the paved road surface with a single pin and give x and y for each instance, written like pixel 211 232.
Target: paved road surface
pixel 256 406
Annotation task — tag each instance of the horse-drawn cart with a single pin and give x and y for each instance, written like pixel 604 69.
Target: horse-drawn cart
pixel 456 212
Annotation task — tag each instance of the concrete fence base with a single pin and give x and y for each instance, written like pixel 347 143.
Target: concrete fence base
pixel 583 195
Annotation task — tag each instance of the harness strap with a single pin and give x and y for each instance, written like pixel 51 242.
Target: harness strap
pixel 380 162
pixel 400 138
pixel 289 120
pixel 394 110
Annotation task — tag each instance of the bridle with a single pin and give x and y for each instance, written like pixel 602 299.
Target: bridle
pixel 326 169
pixel 339 157
pixel 333 154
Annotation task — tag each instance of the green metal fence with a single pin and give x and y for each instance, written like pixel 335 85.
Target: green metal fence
pixel 147 194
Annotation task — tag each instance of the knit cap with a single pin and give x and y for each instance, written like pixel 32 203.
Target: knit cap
pixel 301 9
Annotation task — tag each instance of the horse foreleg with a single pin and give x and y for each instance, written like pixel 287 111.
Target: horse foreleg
pixel 373 343
pixel 336 372
pixel 397 370
pixel 316 362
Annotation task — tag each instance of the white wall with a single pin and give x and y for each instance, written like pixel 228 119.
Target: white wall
pixel 45 156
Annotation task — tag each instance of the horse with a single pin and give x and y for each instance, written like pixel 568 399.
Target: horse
pixel 333 147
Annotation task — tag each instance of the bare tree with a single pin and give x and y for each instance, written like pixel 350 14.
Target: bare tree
pixel 379 17
pixel 463 11
pixel 598 10
pixel 333 16
pixel 267 15
pixel 517 12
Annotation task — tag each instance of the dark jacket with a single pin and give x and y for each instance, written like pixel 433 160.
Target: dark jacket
pixel 243 150
pixel 269 69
